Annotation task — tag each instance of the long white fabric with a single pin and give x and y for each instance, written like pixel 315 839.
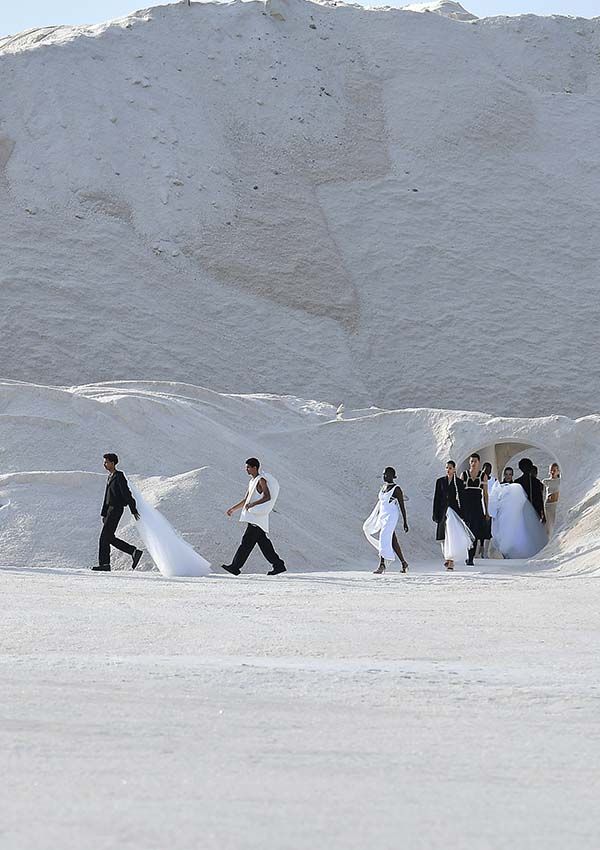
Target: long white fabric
pixel 171 554
pixel 260 514
pixel 458 538
pixel 381 523
pixel 516 528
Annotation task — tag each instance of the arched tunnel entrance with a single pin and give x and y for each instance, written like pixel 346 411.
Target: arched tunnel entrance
pixel 506 453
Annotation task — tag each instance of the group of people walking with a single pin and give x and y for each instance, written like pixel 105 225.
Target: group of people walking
pixel 165 544
pixel 474 509
pixel 469 510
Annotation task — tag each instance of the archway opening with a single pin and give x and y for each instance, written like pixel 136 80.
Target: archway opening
pixel 507 453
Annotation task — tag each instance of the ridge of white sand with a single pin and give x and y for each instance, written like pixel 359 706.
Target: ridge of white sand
pixel 447 8
pixel 186 446
pixel 403 206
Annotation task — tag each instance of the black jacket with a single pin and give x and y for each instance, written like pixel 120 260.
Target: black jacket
pixel 535 492
pixel 445 497
pixel 118 494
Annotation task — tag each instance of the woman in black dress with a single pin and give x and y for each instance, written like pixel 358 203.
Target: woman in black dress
pixel 474 507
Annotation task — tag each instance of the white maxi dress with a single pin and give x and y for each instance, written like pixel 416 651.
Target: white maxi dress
pixel 381 523
pixel 516 527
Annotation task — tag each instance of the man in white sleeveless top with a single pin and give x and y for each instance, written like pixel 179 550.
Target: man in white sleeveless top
pixel 256 506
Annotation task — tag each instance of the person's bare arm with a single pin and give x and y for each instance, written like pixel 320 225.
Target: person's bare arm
pixel 398 494
pixel 486 497
pixel 235 508
pixel 263 488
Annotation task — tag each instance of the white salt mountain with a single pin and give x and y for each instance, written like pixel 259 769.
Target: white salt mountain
pixel 377 206
pixel 447 8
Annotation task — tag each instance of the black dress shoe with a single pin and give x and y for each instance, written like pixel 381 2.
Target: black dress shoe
pixel 276 570
pixel 103 568
pixel 235 571
pixel 136 558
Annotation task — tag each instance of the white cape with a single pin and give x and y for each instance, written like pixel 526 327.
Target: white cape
pixel 458 538
pixel 260 515
pixel 171 554
pixel 516 528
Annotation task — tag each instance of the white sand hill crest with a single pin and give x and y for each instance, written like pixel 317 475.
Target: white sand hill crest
pixel 447 8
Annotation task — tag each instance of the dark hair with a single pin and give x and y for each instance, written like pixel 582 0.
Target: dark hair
pixel 487 467
pixel 451 463
pixel 525 465
pixel 253 462
pixel 112 457
pixel 475 455
pixel 508 469
pixel 534 471
pixel 390 471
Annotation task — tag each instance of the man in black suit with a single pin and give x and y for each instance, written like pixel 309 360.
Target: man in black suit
pixel 116 496
pixel 534 489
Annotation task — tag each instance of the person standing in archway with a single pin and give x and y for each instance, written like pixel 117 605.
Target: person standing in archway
pixel 533 487
pixel 552 491
pixel 475 502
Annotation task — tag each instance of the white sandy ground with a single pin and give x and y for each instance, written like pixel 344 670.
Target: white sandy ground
pixel 316 710
pixel 402 204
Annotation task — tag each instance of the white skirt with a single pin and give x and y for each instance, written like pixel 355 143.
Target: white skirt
pixel 516 527
pixel 379 529
pixel 458 538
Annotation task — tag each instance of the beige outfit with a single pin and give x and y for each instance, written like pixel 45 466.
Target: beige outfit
pixel 551 487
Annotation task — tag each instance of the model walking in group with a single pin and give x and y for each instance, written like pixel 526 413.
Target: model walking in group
pixel 256 506
pixel 475 504
pixel 455 537
pixel 380 525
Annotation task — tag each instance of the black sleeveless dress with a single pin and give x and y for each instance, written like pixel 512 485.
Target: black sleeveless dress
pixel 472 506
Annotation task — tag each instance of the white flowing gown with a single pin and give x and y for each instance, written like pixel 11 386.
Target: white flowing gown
pixel 458 538
pixel 381 523
pixel 260 514
pixel 516 527
pixel 171 554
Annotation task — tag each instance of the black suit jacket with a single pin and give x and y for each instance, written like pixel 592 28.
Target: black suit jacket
pixel 118 494
pixel 535 492
pixel 445 497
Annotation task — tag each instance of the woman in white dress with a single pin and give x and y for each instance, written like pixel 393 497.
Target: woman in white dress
pixel 552 492
pixel 516 527
pixel 380 525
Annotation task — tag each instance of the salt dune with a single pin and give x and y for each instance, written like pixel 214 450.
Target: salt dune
pixel 402 203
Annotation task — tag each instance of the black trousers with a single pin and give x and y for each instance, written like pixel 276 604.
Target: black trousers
pixel 254 535
pixel 108 539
